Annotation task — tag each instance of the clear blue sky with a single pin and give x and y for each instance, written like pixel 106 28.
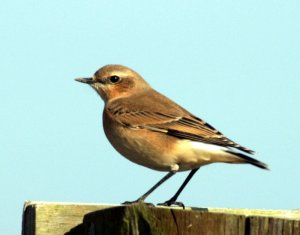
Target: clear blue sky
pixel 235 64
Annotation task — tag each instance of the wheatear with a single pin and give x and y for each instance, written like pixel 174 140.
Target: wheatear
pixel 153 131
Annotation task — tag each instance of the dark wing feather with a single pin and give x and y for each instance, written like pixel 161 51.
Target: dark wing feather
pixel 195 129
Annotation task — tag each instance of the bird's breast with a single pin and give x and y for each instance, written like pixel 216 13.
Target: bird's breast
pixel 141 146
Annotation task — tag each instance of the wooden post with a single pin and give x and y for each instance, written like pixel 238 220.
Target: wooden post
pixel 40 218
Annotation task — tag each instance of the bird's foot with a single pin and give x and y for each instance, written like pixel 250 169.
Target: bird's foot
pixel 138 201
pixel 171 203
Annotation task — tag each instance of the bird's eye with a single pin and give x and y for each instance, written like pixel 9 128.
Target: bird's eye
pixel 114 79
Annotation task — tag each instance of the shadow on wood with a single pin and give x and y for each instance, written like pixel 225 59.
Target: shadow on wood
pixel 142 219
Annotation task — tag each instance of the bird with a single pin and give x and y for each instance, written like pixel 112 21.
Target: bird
pixel 153 131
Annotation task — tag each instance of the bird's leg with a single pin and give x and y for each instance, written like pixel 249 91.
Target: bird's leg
pixel 143 197
pixel 172 200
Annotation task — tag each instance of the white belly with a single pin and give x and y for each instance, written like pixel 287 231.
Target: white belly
pixel 192 154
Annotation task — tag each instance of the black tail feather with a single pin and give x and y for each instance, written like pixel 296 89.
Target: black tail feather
pixel 250 160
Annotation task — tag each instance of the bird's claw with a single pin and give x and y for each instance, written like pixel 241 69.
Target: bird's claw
pixel 137 202
pixel 171 203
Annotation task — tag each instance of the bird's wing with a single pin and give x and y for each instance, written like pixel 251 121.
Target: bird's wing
pixel 179 124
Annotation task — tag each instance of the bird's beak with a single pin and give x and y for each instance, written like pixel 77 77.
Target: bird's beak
pixel 85 80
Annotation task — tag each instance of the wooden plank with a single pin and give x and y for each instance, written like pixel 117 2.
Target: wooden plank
pixel 41 218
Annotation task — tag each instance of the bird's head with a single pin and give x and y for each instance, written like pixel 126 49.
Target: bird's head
pixel 115 81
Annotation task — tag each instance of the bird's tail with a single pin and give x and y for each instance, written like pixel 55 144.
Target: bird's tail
pixel 250 160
